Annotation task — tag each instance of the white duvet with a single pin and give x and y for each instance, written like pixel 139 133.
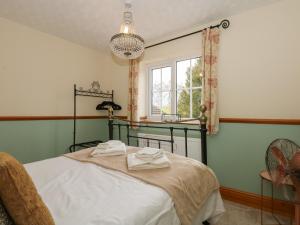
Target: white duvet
pixel 79 193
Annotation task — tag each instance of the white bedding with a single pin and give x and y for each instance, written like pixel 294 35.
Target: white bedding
pixel 79 193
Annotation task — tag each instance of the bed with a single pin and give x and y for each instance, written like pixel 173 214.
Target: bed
pixel 80 193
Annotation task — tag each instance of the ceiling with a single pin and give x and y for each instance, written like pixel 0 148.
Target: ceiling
pixel 93 22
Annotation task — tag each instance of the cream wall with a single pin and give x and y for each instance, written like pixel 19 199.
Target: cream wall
pixel 260 63
pixel 118 80
pixel 259 69
pixel 37 73
pixel 259 66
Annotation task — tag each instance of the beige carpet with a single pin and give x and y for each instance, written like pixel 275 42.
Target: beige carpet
pixel 237 214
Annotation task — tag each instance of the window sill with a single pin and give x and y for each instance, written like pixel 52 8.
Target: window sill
pixel 184 121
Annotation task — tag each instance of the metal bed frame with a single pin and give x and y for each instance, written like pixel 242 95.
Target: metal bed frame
pixel 202 130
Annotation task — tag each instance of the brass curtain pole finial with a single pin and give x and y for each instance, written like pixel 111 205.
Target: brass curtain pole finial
pixel 203 117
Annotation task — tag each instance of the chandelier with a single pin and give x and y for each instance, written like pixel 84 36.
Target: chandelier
pixel 127 44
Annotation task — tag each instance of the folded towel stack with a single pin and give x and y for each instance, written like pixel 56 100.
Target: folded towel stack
pixel 149 154
pixel 109 148
pixel 147 158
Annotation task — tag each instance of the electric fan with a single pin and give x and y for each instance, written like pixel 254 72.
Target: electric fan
pixel 283 162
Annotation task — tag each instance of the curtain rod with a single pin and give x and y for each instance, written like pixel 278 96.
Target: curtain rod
pixel 224 24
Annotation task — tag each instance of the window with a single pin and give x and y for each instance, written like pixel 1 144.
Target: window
pixel 175 88
pixel 161 91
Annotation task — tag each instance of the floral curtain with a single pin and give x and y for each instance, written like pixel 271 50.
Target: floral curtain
pixel 132 114
pixel 209 97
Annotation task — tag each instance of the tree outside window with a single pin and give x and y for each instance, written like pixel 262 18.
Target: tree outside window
pixel 189 85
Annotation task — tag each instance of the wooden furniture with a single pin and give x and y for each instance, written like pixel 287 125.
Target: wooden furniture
pixel 264 176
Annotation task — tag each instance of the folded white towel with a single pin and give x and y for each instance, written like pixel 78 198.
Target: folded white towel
pixel 109 148
pixel 109 144
pixel 149 154
pixel 135 163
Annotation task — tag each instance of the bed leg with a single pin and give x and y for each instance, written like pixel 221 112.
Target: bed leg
pixel 205 222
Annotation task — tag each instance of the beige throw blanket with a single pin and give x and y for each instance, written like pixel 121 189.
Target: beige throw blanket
pixel 187 181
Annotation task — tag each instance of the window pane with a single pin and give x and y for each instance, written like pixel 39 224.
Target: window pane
pixel 196 70
pixel 196 103
pixel 183 74
pixel 166 78
pixel 183 103
pixel 166 102
pixel 156 102
pixel 156 80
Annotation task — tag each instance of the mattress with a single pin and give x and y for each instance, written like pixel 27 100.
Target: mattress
pixel 79 193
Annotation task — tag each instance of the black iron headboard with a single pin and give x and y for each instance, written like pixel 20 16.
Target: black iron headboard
pixel 202 129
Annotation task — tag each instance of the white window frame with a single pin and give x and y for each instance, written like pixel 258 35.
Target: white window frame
pixel 166 63
pixel 151 67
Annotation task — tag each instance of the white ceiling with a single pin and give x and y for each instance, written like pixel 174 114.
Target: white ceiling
pixel 93 22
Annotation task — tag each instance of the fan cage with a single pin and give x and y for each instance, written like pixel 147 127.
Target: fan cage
pixel 288 149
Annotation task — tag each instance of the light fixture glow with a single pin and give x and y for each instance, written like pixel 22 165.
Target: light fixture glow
pixel 126 29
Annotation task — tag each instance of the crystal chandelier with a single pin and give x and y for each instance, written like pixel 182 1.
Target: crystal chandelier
pixel 127 44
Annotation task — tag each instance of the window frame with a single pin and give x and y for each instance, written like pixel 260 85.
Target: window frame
pixel 159 65
pixel 191 88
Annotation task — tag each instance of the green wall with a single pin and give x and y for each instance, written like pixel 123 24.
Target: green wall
pixel 30 141
pixel 236 153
